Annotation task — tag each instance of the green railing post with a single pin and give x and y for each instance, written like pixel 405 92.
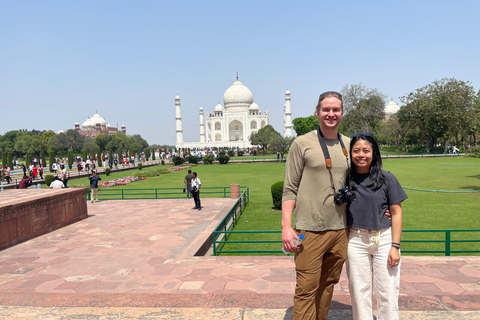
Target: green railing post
pixel 88 194
pixel 447 243
pixel 122 195
pixel 156 193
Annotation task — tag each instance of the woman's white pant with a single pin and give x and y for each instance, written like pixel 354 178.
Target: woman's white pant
pixel 369 274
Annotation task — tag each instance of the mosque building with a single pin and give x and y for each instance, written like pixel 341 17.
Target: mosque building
pixel 232 124
pixel 95 125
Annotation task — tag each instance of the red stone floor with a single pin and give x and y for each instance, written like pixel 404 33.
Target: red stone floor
pixel 140 253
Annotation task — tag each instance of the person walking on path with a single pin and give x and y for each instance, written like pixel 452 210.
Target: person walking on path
pixel 373 259
pixel 187 182
pixel 196 184
pixel 6 173
pixel 35 172
pixel 94 185
pixel 63 176
pixel 311 184
pixel 40 171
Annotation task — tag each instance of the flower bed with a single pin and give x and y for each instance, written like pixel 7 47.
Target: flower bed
pixel 120 182
pixel 179 168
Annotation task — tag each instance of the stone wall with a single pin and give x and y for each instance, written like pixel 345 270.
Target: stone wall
pixel 29 213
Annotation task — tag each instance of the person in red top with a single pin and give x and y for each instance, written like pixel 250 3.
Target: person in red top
pixel 35 172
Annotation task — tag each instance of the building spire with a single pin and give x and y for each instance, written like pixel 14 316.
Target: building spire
pixel 237 75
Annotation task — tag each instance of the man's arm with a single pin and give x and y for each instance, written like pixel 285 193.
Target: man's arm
pixel 287 231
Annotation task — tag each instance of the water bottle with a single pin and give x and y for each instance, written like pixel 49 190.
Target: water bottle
pixel 39 186
pixel 2 188
pixel 296 241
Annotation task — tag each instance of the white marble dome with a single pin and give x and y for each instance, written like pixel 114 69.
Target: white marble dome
pixel 88 124
pixel 237 95
pixel 61 131
pixel 98 119
pixel 254 106
pixel 391 108
pixel 218 107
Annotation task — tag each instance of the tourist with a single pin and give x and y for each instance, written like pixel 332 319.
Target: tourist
pixel 56 184
pixel 115 162
pixel 40 171
pixel 373 263
pixel 24 168
pixel 187 183
pixel 79 165
pixel 196 184
pixel 63 175
pixel 35 171
pixel 94 186
pixel 30 169
pixel 54 167
pixel 25 182
pixel 6 173
pixel 310 188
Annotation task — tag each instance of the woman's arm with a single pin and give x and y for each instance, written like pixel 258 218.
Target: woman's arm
pixel 397 223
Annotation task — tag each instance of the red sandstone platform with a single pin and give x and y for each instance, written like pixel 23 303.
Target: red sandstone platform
pixel 139 253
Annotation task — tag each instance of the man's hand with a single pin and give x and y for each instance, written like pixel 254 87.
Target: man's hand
pixel 287 239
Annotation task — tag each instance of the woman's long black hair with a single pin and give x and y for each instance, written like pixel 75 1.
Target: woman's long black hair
pixel 376 176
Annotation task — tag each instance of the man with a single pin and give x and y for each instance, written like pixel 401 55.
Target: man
pixel 25 182
pixel 56 184
pixel 196 184
pixel 187 183
pixel 309 189
pixel 94 185
pixel 63 175
pixel 7 174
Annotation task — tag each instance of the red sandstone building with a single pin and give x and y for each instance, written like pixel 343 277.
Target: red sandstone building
pixel 95 125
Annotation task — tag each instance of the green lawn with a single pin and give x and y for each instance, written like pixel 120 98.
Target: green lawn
pixel 422 210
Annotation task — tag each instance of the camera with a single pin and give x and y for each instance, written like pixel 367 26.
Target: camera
pixel 344 195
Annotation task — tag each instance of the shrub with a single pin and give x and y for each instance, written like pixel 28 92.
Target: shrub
pixel 473 152
pixel 231 153
pixel 222 153
pixel 207 160
pixel 163 171
pixel 223 159
pixel 48 179
pixel 277 193
pixel 163 162
pixel 178 160
pixel 139 166
pixel 240 153
pixel 192 159
pixel 107 171
pixel 153 173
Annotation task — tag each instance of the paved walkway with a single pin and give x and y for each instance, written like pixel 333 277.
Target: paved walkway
pixel 135 260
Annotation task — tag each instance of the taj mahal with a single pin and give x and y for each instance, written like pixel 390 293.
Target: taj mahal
pixel 232 124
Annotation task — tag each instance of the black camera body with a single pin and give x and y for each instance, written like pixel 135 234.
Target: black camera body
pixel 344 195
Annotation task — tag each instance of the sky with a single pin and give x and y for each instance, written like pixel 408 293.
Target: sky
pixel 62 61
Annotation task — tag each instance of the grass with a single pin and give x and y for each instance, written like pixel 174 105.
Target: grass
pixel 422 210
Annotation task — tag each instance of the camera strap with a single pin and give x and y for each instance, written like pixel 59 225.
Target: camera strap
pixel 328 160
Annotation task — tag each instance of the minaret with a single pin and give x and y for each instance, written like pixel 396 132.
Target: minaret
pixel 202 126
pixel 178 118
pixel 287 129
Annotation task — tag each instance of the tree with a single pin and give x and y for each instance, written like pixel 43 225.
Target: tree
pixel 70 159
pixel 440 110
pixel 305 125
pixel 51 159
pixel 102 141
pixel 135 148
pixel 281 144
pixel 118 143
pixel 7 141
pixel 71 140
pixel 262 137
pixel 363 108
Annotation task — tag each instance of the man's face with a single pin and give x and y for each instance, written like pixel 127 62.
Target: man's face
pixel 330 113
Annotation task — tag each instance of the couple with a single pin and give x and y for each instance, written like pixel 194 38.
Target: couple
pixel 193 184
pixel 334 225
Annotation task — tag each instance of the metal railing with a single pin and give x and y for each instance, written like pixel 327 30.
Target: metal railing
pixel 155 193
pixel 446 241
pixel 220 234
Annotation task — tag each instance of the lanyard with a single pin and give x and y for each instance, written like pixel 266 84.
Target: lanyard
pixel 328 160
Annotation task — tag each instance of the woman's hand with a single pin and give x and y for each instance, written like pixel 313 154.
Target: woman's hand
pixel 393 257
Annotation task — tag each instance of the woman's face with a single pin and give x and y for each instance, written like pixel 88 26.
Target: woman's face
pixel 362 154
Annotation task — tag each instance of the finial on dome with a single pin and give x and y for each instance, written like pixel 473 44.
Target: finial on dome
pixel 237 75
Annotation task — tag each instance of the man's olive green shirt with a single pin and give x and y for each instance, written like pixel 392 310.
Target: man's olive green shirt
pixel 307 181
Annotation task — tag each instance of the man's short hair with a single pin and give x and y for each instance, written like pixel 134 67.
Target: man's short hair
pixel 189 171
pixel 329 94
pixel 195 174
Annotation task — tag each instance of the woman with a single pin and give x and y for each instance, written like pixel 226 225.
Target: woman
pixel 373 261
